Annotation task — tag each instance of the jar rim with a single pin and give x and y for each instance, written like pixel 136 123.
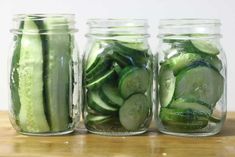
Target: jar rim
pixel 185 27
pixel 114 27
pixel 188 21
pixel 117 22
pixel 59 21
pixel 42 15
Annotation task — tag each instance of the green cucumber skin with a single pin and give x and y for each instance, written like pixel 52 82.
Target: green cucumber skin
pixel 138 57
pixel 57 77
pixel 14 75
pixel 183 119
pixel 31 116
pixel 195 105
pixel 91 102
pixel 110 94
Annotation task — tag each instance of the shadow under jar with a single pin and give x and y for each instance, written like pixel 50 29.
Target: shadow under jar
pixel 117 77
pixel 191 78
pixel 43 74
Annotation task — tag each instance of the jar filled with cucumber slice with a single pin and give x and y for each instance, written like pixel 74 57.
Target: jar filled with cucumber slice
pixel 44 74
pixel 191 77
pixel 117 77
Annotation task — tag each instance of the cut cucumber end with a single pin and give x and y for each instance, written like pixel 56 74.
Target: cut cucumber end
pixel 134 112
pixel 134 80
pixel 200 83
pixel 166 85
pixel 206 47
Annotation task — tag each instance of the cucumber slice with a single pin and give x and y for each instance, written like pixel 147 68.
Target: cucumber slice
pixel 214 61
pixel 14 74
pixel 92 58
pixel 134 112
pixel 110 94
pixel 99 81
pixel 103 63
pixel 194 105
pixel 97 104
pixel 100 69
pixel 141 46
pixel 96 119
pixel 182 60
pixel 201 83
pixel 166 85
pixel 138 57
pixel 134 80
pixel 121 60
pixel 57 73
pixel 31 116
pixel 206 46
pixel 183 120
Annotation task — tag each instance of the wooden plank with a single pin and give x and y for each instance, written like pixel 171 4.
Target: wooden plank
pixel 82 144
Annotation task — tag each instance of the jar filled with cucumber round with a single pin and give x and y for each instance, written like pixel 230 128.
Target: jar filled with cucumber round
pixel 191 77
pixel 44 74
pixel 117 77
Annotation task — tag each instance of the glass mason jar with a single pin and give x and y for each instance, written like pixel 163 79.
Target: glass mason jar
pixel 117 77
pixel 191 78
pixel 43 74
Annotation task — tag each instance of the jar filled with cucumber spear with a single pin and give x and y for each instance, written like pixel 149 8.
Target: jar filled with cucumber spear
pixel 44 74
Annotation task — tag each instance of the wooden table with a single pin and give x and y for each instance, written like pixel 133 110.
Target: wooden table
pixel 83 144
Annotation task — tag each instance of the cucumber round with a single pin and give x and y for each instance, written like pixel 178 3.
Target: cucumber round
pixel 121 60
pixel 110 94
pixel 137 57
pixel 201 83
pixel 102 65
pixel 99 81
pixel 134 80
pixel 134 112
pixel 93 58
pixel 214 61
pixel 205 46
pixel 97 119
pixel 141 46
pixel 166 85
pixel 183 119
pixel 194 105
pixel 96 103
pixel 182 60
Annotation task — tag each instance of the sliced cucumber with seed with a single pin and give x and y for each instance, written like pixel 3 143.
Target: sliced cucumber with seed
pixel 201 83
pixel 134 80
pixel 134 112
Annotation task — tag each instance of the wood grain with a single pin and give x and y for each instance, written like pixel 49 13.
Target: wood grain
pixel 83 144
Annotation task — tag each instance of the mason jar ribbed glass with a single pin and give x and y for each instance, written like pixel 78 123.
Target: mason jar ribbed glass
pixel 44 74
pixel 117 77
pixel 191 78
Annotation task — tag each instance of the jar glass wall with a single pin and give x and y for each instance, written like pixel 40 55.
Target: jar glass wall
pixel 43 74
pixel 117 77
pixel 191 78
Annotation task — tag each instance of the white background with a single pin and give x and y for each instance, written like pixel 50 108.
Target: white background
pixel 153 10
